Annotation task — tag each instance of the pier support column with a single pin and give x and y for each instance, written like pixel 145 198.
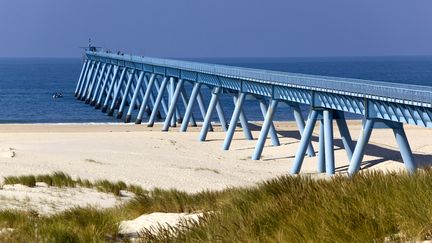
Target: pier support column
pixel 345 134
pixel 109 81
pixel 110 90
pixel 95 86
pixel 209 113
pixel 80 79
pixel 173 105
pixel 135 104
pixel 328 138
pixel 99 87
pixel 359 149
pixel 157 102
pixel 404 148
pixel 272 131
pixel 89 90
pixel 178 116
pixel 86 80
pixel 145 99
pixel 326 159
pixel 135 96
pixel 221 115
pixel 244 121
pixel 401 139
pixel 304 142
pixel 301 124
pixel 189 108
pixel 150 106
pixel 185 100
pixel 140 96
pixel 110 112
pixel 233 123
pixel 202 108
pixel 171 88
pixel 163 103
pixel 90 82
pixel 266 127
pixel 321 152
pixel 126 94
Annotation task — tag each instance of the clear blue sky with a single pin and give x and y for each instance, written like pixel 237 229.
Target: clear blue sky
pixel 217 28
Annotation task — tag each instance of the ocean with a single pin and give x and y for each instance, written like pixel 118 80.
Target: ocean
pixel 27 84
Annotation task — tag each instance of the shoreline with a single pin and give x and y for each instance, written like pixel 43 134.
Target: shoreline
pixel 148 157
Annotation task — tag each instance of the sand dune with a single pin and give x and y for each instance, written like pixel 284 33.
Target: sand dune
pixel 49 200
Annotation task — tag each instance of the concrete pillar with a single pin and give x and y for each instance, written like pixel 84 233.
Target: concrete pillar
pixel 328 138
pixel 110 90
pixel 92 79
pixel 95 86
pixel 359 149
pixel 126 94
pixel 345 135
pixel 110 112
pixel 202 108
pixel 80 79
pixel 304 142
pixel 233 122
pixel 109 80
pixel 321 152
pixel 405 149
pixel 158 102
pixel 209 113
pixel 268 122
pixel 86 80
pixel 301 124
pixel 101 87
pixel 244 121
pixel 135 96
pixel 221 115
pixel 146 97
pixel 173 105
pixel 189 108
pixel 272 131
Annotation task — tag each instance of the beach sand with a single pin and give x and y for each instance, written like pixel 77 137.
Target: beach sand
pixel 151 158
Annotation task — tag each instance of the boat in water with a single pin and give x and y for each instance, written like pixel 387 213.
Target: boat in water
pixel 57 95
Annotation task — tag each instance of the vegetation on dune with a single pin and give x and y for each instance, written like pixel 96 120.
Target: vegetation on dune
pixel 371 206
pixel 60 179
pixel 77 225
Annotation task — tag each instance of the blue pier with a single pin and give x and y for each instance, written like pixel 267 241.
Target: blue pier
pixel 154 89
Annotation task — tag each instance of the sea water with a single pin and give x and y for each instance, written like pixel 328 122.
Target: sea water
pixel 27 85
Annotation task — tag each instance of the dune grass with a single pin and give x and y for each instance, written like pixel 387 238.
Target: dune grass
pixel 371 206
pixel 60 179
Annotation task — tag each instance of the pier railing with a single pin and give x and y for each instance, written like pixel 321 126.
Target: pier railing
pixel 397 92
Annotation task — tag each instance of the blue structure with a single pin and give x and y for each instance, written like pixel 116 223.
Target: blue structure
pixel 143 83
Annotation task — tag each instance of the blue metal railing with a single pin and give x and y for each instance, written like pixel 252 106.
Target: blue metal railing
pixel 357 87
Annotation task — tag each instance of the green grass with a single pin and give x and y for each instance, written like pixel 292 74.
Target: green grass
pixel 60 179
pixel 27 180
pixel 368 207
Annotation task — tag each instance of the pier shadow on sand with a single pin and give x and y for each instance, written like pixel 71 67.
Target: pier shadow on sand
pixel 384 154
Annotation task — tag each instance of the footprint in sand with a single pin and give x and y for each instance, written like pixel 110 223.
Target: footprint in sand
pixel 7 153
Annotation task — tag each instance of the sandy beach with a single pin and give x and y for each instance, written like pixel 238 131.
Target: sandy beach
pixel 151 158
